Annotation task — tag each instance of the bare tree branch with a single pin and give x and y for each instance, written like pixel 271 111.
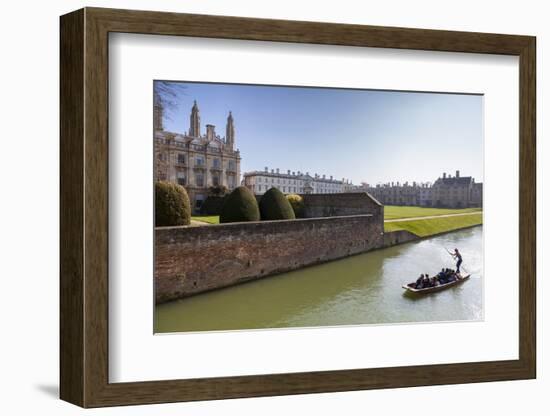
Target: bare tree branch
pixel 166 96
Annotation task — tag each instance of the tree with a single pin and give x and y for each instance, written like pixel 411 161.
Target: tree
pixel 275 206
pixel 166 96
pixel 172 205
pixel 240 205
pixel 297 203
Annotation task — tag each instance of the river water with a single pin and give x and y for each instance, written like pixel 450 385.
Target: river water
pixel 362 289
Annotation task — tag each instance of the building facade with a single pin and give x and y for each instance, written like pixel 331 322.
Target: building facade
pixel 395 193
pixel 293 182
pixel 454 191
pixel 477 194
pixel 446 192
pixel 194 160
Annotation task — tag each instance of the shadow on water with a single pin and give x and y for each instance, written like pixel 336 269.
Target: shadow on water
pixel 361 289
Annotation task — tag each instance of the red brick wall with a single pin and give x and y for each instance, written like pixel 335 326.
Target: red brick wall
pixel 353 203
pixel 190 260
pixel 393 238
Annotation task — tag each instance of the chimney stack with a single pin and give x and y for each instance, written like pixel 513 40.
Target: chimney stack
pixel 444 175
pixel 277 170
pixel 458 174
pixel 265 169
pixel 210 131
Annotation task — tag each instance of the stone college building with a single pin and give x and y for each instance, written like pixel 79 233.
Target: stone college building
pixel 196 161
pixel 447 191
pixel 294 182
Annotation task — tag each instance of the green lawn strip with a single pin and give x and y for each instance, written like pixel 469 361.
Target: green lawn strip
pixel 424 228
pixel 394 212
pixel 210 219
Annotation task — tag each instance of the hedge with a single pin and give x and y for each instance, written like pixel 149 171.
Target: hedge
pixel 275 206
pixel 240 205
pixel 172 206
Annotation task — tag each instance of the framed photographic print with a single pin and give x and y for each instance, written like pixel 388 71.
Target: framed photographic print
pixel 255 207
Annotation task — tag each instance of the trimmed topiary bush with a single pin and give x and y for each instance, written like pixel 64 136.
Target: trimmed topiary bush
pixel 172 206
pixel 297 204
pixel 275 206
pixel 240 205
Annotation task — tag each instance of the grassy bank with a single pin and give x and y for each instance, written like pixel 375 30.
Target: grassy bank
pixel 424 228
pixel 419 227
pixel 210 219
pixel 391 212
pixel 395 212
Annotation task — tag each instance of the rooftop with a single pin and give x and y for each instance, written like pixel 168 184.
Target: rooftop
pixel 294 175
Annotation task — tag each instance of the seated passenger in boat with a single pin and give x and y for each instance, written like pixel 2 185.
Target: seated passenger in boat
pixel 452 276
pixel 418 284
pixel 427 280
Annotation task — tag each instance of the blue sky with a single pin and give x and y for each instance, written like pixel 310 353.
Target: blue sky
pixel 364 135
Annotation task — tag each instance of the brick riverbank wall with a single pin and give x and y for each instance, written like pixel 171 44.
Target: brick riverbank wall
pixel 345 204
pixel 393 238
pixel 191 260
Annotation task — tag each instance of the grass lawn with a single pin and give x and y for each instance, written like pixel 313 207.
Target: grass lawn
pixel 393 211
pixel 424 228
pixel 210 219
pixel 397 212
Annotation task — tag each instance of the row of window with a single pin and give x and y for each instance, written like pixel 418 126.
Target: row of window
pixel 200 182
pixel 279 181
pixel 453 192
pixel 199 161
pixel 290 189
pixel 263 188
pixel 283 181
pixel 423 193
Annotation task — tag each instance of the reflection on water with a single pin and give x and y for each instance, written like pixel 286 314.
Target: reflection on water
pixel 362 289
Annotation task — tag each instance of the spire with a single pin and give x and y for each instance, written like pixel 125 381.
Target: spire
pixel 195 121
pixel 230 131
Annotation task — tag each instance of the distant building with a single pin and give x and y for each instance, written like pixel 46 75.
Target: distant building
pixel 194 160
pixel 425 195
pixel 446 192
pixel 477 194
pixel 456 192
pixel 293 182
pixel 394 193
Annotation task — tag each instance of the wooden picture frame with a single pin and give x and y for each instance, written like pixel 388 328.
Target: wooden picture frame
pixel 84 207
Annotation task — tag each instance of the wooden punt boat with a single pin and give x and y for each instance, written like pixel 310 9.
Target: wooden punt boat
pixel 410 287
